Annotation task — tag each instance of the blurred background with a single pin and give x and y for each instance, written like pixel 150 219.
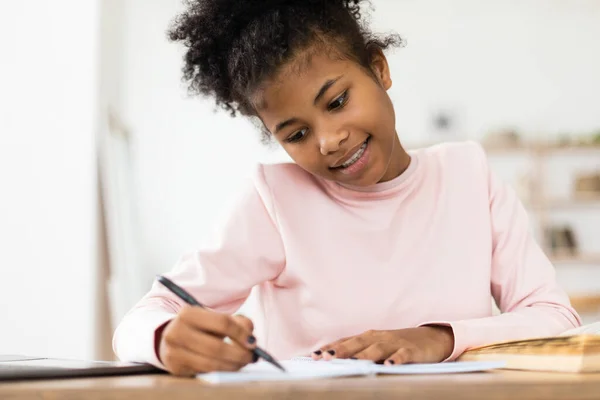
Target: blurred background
pixel 109 171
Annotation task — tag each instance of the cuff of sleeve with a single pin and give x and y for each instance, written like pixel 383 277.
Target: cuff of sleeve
pixel 134 339
pixel 460 337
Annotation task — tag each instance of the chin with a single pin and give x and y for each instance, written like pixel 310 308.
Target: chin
pixel 370 176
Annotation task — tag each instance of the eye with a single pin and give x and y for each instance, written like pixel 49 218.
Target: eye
pixel 339 102
pixel 297 136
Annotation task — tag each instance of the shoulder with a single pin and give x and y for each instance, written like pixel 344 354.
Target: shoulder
pixel 464 152
pixel 281 176
pixel 457 165
pixel 463 157
pixel 282 181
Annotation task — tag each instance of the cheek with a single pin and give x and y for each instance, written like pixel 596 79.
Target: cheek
pixel 371 115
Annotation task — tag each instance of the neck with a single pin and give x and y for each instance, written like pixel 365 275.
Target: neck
pixel 399 162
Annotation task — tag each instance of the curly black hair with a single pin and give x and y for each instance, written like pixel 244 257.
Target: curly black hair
pixel 232 46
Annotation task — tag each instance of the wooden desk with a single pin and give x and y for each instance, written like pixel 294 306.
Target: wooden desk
pixel 486 385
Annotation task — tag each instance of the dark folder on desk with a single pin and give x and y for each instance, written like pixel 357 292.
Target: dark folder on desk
pixel 15 367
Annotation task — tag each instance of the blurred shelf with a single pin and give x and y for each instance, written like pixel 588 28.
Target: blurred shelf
pixel 542 148
pixel 579 259
pixel 579 201
pixel 506 149
pixel 559 149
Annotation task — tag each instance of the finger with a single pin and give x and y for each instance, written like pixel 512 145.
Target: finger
pixel 244 321
pixel 210 346
pixel 182 362
pixel 403 355
pixel 347 348
pixel 377 352
pixel 218 324
pixel 318 354
pixel 171 359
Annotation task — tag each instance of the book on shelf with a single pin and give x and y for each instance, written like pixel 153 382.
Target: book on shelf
pixel 577 350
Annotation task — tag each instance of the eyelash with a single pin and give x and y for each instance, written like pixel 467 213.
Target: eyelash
pixel 291 138
pixel 342 99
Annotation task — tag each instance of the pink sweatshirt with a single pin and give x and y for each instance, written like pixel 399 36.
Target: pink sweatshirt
pixel 434 245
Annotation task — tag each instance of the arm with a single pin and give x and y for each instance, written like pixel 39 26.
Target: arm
pixel 221 275
pixel 523 281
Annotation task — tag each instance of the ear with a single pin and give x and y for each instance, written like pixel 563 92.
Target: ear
pixel 380 66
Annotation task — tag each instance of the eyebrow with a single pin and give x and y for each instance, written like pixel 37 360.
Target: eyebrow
pixel 329 83
pixel 325 87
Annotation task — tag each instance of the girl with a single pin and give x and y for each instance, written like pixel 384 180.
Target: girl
pixel 359 249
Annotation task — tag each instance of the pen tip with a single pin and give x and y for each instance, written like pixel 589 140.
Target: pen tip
pixel 279 366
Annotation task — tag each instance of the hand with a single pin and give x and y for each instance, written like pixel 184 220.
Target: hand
pixel 193 342
pixel 427 344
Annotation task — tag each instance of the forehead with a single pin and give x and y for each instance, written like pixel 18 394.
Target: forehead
pixel 300 80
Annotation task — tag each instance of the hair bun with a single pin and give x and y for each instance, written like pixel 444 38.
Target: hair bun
pixel 231 46
pixel 242 12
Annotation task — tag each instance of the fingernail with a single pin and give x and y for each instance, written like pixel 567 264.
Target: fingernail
pixel 251 339
pixel 332 352
pixel 254 357
pixel 318 352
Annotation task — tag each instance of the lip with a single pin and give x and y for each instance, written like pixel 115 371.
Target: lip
pixel 348 154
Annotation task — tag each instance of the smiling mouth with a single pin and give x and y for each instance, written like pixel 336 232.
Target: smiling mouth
pixel 355 157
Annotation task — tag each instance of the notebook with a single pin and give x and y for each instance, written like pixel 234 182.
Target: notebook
pixel 304 368
pixel 575 353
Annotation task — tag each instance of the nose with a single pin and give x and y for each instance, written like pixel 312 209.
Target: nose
pixel 331 141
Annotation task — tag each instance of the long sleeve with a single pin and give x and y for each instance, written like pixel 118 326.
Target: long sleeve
pixel 248 251
pixel 523 281
pixel 294 234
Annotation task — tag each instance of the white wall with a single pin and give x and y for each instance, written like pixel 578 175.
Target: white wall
pixel 188 160
pixel 530 64
pixel 48 88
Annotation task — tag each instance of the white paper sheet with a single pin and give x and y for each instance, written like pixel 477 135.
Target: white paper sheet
pixel 305 368
pixel 589 329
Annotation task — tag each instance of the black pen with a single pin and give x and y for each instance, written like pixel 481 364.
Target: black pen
pixel 185 296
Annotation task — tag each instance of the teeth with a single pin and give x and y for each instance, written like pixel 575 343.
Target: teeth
pixel 356 156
